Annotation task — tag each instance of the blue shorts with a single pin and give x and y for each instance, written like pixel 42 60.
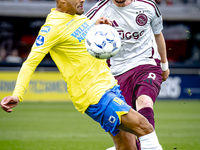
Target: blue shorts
pixel 109 110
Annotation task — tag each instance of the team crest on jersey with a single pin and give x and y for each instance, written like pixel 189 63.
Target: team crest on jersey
pixel 141 19
pixel 39 40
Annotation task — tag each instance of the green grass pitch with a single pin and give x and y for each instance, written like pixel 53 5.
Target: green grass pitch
pixel 58 126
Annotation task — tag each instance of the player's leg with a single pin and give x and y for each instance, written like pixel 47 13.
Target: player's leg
pixel 135 123
pixel 144 105
pixel 141 128
pixel 127 82
pixel 124 140
pixel 113 113
pixel 131 85
pixel 147 90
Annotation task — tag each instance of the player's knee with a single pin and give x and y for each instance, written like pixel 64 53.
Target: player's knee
pixel 147 103
pixel 144 101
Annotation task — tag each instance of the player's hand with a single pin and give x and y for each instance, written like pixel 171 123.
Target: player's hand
pixel 165 75
pixel 9 102
pixel 104 20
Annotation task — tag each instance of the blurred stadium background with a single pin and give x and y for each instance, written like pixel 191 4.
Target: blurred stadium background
pixel 177 109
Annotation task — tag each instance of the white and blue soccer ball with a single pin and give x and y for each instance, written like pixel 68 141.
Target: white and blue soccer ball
pixel 103 41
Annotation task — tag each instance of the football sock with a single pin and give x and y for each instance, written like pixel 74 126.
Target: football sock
pixel 148 113
pixel 138 145
pixel 111 148
pixel 150 142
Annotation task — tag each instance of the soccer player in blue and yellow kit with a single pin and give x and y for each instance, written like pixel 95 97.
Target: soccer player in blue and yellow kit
pixel 92 87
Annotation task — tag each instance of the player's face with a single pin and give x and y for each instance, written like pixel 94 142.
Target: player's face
pixel 75 7
pixel 119 1
pixel 122 3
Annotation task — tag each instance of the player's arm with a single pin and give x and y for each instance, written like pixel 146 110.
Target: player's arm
pixel 163 54
pixel 26 72
pixel 47 38
pixel 23 80
pixel 157 27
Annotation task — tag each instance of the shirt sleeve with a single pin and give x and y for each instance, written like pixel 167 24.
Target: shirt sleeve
pixel 26 72
pixel 157 22
pixel 46 40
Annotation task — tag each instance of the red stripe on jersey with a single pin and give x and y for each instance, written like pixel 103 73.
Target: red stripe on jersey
pixel 90 11
pixel 96 9
pixel 151 5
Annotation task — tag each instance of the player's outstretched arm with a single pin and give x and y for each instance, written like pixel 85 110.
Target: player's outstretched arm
pixel 9 102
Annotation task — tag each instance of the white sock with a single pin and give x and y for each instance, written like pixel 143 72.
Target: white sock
pixel 111 148
pixel 150 142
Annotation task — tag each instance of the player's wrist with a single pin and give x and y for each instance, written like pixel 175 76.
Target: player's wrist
pixel 18 98
pixel 164 66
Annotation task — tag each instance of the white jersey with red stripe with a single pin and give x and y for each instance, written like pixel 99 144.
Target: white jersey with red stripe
pixel 136 24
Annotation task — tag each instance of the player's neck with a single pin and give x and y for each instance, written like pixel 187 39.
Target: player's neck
pixel 120 4
pixel 66 10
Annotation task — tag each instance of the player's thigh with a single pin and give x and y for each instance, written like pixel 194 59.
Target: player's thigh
pixel 124 141
pixel 135 123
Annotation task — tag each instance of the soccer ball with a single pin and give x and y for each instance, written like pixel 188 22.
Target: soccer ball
pixel 102 41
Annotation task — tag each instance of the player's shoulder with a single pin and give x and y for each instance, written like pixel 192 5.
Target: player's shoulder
pixel 150 5
pixel 99 6
pixel 102 3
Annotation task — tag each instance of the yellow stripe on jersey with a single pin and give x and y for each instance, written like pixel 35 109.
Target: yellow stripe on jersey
pixel 63 36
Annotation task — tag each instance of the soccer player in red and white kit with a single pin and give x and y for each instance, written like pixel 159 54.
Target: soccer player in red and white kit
pixel 92 87
pixel 141 65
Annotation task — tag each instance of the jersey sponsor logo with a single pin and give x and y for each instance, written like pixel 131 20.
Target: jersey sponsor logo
pixel 82 31
pixel 141 19
pixel 127 35
pixel 39 40
pixel 46 29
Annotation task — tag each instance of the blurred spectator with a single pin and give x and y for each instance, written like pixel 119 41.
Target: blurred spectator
pixel 168 2
pixel 177 2
pixel 189 1
pixel 2 54
pixel 195 51
pixel 158 1
pixel 14 57
pixel 176 37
